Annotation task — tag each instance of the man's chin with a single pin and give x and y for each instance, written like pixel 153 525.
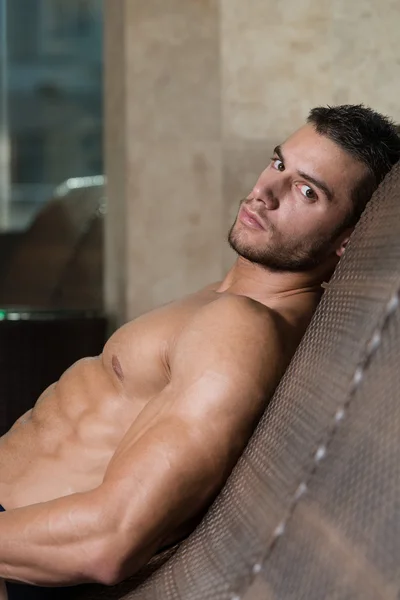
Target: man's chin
pixel 242 242
pixel 273 260
pixel 247 252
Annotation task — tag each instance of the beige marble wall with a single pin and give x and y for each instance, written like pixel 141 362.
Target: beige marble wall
pixel 199 92
pixel 166 90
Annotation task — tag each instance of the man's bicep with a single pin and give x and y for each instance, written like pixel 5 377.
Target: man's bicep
pixel 159 482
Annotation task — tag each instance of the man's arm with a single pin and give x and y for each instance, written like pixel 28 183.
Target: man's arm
pixel 169 465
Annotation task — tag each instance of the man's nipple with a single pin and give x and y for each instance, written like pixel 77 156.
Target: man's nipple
pixel 116 365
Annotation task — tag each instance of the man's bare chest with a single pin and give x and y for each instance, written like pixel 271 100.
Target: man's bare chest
pixel 138 355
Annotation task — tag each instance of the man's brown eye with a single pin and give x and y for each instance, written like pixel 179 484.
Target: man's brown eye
pixel 277 164
pixel 307 192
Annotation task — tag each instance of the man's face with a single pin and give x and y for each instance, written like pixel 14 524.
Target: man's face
pixel 293 217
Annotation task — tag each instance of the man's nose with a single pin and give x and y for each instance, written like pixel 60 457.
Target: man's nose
pixel 265 194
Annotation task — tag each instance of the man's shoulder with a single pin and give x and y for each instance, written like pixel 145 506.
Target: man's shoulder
pixel 237 310
pixel 231 346
pixel 236 318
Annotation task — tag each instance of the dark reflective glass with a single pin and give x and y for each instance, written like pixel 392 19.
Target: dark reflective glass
pixel 52 99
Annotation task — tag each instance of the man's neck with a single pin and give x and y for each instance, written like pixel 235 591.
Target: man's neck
pixel 255 281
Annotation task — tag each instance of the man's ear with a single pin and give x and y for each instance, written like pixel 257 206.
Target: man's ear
pixel 342 242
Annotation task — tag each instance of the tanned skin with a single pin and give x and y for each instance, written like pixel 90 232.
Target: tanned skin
pixel 121 455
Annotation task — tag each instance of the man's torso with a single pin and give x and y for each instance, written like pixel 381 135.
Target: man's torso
pixel 64 444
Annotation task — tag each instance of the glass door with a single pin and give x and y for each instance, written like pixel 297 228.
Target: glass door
pixel 50 101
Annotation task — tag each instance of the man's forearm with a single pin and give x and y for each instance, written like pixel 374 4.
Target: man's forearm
pixel 55 543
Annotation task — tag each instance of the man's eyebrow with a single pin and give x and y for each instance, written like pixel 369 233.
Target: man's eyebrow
pixel 278 152
pixel 317 182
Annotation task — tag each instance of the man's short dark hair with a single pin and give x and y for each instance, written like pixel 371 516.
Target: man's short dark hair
pixel 368 137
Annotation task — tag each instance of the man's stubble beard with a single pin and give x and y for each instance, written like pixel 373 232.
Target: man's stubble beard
pixel 278 256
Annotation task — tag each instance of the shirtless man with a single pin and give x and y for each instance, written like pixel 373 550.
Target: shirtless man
pixel 121 456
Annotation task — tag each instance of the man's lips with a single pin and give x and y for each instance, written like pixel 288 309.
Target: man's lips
pixel 250 219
